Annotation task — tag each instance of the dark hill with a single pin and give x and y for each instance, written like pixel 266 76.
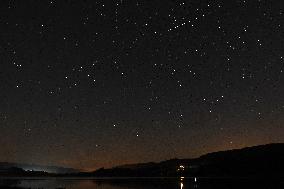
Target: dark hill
pixel 258 161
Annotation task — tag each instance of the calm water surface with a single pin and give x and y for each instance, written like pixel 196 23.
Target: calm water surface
pixel 161 183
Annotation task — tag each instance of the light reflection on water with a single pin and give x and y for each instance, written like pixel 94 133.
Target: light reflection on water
pixel 181 185
pixel 161 183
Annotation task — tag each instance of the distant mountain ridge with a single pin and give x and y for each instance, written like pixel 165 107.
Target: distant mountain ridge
pixel 259 149
pixel 35 167
pixel 257 161
pixel 262 160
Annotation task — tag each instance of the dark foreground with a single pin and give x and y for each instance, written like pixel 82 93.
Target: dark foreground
pixel 253 162
pixel 153 183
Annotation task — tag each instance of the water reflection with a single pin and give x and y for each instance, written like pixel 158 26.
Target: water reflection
pixel 192 182
pixel 158 183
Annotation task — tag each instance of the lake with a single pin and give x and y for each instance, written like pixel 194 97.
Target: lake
pixel 146 183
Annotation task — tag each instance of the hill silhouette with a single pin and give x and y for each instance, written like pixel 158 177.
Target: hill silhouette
pixel 37 168
pixel 257 161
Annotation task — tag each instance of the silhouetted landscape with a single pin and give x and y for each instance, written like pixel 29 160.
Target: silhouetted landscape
pixel 259 161
pixel 33 167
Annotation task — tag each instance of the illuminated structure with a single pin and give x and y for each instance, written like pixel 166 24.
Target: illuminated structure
pixel 181 168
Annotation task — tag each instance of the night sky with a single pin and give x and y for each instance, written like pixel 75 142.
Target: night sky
pixel 90 84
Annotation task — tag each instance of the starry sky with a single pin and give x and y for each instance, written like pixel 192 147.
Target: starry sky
pixel 90 84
